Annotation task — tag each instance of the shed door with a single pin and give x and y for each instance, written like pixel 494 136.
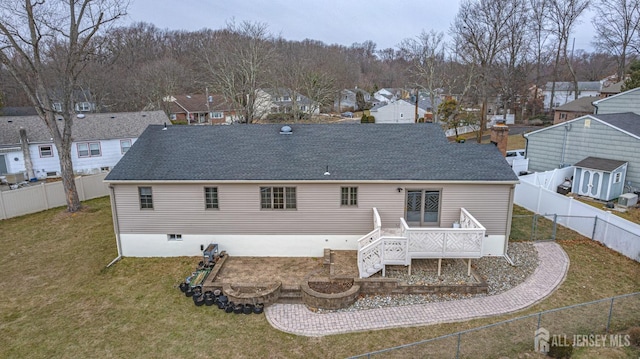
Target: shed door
pixel 590 183
pixel 3 164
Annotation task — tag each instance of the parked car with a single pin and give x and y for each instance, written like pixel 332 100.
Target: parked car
pixel 513 154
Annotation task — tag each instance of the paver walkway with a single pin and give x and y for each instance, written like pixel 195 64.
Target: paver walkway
pixel 551 271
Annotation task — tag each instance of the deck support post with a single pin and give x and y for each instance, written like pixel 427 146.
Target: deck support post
pixel 469 268
pixel 439 265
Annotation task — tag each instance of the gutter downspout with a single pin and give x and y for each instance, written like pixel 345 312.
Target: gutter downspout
pixel 116 225
pixel 567 128
pixel 508 231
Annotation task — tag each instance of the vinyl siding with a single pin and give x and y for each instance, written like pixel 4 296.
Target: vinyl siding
pixel 544 148
pixel 179 208
pixel 624 102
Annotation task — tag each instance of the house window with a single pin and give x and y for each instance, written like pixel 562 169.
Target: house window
pixel 57 106
pixel 174 237
pixel 348 196
pixel 278 197
pixel 83 107
pixel 46 151
pixel 89 149
pixel 124 146
pixel 303 108
pixel 563 116
pixel 217 115
pixel 401 115
pixel 146 197
pixel 617 177
pixel 211 197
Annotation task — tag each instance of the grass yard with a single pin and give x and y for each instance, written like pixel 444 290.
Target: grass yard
pixel 59 300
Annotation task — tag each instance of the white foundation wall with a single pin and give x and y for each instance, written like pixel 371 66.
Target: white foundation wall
pixel 493 246
pixel 158 245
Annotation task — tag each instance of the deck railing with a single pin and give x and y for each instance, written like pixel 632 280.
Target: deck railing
pixel 376 251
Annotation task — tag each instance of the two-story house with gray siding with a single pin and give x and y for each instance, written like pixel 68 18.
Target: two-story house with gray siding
pixel 272 190
pixel 613 136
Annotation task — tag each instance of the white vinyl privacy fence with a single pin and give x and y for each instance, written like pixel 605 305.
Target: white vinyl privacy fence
pixel 536 192
pixel 44 196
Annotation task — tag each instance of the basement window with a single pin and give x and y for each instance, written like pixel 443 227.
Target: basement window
pixel 174 237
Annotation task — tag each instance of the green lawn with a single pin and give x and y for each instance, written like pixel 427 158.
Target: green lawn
pixel 59 300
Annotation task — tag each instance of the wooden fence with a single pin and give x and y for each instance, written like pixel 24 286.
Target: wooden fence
pixel 43 196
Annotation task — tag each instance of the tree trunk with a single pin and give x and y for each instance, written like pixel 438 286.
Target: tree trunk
pixel 68 181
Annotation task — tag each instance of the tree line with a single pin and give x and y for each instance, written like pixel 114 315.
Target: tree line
pixel 496 50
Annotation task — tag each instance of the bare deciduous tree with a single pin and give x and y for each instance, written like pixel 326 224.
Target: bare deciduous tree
pixel 482 32
pixel 237 62
pixel 564 16
pixel 616 24
pixel 45 45
pixel 426 56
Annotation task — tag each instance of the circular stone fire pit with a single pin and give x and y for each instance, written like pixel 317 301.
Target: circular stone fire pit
pixel 329 293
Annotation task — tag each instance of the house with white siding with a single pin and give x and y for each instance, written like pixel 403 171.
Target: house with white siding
pixel 400 111
pixel 614 137
pixel 564 92
pixel 99 142
pixel 391 192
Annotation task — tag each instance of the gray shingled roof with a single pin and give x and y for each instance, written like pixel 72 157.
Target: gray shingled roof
pixel 602 164
pixel 352 152
pixel 627 121
pixel 568 86
pixel 583 104
pixel 94 126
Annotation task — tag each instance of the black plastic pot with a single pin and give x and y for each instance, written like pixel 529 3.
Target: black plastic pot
pixel 209 301
pixel 248 309
pixel 258 308
pixel 221 305
pixel 238 308
pixel 183 287
pixel 229 307
pixel 198 299
pixel 189 292
pixel 223 299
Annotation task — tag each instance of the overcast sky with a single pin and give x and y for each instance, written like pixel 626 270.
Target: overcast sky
pixel 342 22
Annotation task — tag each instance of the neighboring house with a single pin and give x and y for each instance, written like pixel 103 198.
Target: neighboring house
pixel 574 109
pixel 565 92
pixel 400 111
pixel 346 100
pixel 614 137
pixel 628 101
pixel 100 140
pixel 201 109
pixel 611 88
pixel 390 94
pixel 267 190
pixel 280 100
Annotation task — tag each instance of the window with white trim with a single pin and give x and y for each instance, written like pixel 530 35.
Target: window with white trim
pixel 216 115
pixel 46 151
pixel 83 106
pixel 89 149
pixel 124 146
pixel 348 196
pixel 617 177
pixel 57 106
pixel 278 198
pixel 211 197
pixel 146 197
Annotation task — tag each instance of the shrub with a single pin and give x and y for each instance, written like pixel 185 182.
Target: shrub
pixel 367 119
pixel 564 351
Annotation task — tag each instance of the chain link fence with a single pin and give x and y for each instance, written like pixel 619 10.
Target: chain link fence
pixel 578 324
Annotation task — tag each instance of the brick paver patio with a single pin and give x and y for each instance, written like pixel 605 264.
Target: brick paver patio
pixel 551 272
